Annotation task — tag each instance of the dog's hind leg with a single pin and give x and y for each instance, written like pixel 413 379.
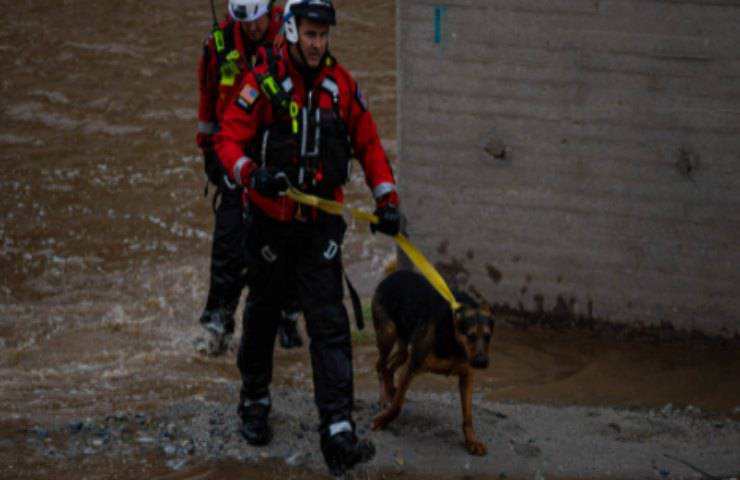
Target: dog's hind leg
pixel 398 358
pixel 385 372
pixel 390 413
pixel 474 446
pixel 386 338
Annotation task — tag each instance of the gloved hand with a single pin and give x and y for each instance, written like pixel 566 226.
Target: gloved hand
pixel 389 220
pixel 267 184
pixel 204 141
pixel 212 166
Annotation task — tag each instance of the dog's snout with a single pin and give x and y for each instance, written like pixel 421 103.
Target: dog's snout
pixel 479 361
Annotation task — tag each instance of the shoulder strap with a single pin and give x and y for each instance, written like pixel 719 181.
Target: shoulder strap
pixel 228 42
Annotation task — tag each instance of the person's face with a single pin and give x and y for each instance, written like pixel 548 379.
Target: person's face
pixel 256 30
pixel 313 37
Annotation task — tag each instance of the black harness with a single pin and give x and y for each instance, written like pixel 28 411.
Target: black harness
pixel 309 144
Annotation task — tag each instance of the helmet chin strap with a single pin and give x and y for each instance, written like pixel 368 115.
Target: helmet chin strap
pixel 303 57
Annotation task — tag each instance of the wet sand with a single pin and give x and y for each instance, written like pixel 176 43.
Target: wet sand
pixel 105 236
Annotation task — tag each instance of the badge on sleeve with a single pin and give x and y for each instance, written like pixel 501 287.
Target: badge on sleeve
pixel 361 98
pixel 247 97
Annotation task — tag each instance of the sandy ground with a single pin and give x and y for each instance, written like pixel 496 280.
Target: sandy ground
pixel 198 439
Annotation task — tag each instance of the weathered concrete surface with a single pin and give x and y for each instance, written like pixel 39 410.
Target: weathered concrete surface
pixel 578 155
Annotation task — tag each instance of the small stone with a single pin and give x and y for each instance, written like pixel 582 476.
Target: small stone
pixel 169 449
pixel 692 410
pixel 294 459
pixel 40 432
pixel 145 439
pixel 89 451
pixel 667 410
pixel 98 442
pixel 177 464
pixel 75 426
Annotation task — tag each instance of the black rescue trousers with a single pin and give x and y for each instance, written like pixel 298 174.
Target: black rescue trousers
pixel 227 260
pixel 309 254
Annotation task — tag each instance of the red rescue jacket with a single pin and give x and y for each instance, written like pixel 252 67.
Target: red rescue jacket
pixel 253 112
pixel 217 91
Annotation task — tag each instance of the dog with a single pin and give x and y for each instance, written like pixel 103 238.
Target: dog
pixel 428 336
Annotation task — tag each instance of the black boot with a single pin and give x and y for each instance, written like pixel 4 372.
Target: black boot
pixel 219 326
pixel 254 427
pixel 288 331
pixel 343 450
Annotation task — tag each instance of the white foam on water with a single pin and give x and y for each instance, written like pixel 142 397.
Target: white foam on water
pixel 54 97
pixel 105 48
pixel 34 112
pixel 101 126
pixel 10 139
pixel 179 230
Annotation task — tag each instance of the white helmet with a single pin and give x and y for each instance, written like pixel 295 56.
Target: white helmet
pixel 248 10
pixel 319 10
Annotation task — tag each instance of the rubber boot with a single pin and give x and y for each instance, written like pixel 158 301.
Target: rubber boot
pixel 254 426
pixel 219 329
pixel 343 451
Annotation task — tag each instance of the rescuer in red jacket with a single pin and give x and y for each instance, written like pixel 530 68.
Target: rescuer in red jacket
pixel 307 116
pixel 228 55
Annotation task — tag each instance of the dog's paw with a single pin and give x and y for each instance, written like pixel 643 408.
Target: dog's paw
pixel 379 423
pixel 475 447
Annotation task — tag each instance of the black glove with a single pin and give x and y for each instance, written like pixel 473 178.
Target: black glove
pixel 267 184
pixel 212 166
pixel 389 220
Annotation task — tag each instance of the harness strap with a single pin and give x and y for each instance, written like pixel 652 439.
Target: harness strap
pixel 356 303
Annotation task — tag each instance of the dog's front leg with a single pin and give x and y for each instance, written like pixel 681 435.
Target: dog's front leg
pixel 466 400
pixel 386 416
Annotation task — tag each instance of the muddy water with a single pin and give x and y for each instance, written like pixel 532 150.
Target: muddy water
pixel 105 234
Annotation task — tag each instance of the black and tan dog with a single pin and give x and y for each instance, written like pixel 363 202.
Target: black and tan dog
pixel 410 315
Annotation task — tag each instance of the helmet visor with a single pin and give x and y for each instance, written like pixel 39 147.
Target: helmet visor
pixel 317 10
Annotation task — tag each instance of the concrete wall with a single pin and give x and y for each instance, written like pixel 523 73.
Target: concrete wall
pixel 618 194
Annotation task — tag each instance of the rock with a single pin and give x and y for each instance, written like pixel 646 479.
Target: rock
pixel 177 464
pixel 40 432
pixel 169 449
pixel 692 410
pixel 667 410
pixel 97 442
pixel 145 439
pixel 294 459
pixel 75 426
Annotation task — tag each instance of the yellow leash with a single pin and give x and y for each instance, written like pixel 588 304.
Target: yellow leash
pixel 416 257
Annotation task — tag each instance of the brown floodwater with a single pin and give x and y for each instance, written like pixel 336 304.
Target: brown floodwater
pixel 105 237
